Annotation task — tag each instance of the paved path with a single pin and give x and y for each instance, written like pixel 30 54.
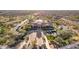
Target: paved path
pixel 33 39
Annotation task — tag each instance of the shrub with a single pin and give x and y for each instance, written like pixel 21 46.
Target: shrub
pixel 65 34
pixel 1 30
pixel 50 37
pixel 2 41
pixel 61 42
pixel 77 17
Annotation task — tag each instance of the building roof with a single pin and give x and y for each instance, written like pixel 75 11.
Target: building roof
pixel 40 22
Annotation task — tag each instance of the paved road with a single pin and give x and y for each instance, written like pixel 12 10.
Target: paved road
pixel 34 39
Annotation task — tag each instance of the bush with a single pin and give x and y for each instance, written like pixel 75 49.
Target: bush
pixel 63 38
pixel 1 30
pixel 2 41
pixel 76 27
pixel 65 34
pixel 77 17
pixel 50 37
pixel 49 17
pixel 61 42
